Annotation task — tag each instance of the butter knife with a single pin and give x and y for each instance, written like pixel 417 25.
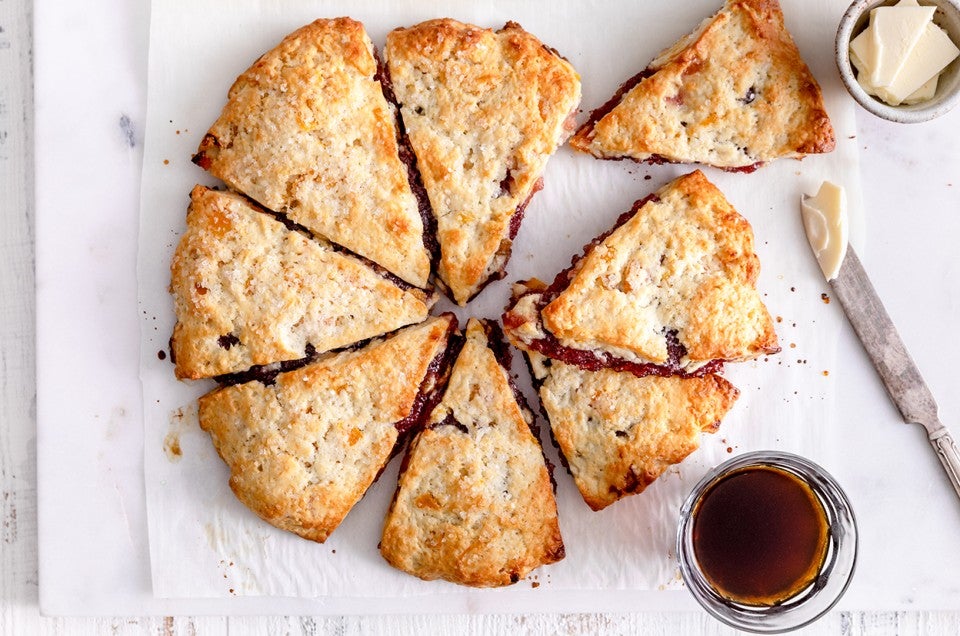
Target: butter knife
pixel 897 369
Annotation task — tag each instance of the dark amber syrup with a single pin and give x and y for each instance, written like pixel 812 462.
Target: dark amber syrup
pixel 760 535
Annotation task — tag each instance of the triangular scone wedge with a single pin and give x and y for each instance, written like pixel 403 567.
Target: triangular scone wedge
pixel 475 502
pixel 671 288
pixel 732 94
pixel 250 291
pixel 619 432
pixel 307 131
pixel 303 449
pixel 483 111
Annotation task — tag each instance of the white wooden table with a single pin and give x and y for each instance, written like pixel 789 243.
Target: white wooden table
pixel 896 154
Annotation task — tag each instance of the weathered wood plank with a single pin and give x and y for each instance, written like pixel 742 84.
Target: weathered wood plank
pixel 18 493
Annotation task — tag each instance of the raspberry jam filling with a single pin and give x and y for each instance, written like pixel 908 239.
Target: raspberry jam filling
pixel 266 374
pixel 597 360
pixel 409 159
pixel 451 420
pixel 428 395
pixel 517 217
pixel 433 384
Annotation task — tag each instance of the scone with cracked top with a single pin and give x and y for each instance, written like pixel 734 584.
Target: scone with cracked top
pixel 734 94
pixel 475 503
pixel 303 450
pixel 671 289
pixel 307 131
pixel 250 291
pixel 619 432
pixel 484 110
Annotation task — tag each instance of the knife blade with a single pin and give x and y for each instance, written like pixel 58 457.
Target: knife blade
pixel 893 363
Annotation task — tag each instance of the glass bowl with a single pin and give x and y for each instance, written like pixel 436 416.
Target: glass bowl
pixel 831 580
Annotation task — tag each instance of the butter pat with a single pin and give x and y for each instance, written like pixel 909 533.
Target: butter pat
pixel 896 30
pixel 923 93
pixel 933 51
pixel 863 53
pixel 825 222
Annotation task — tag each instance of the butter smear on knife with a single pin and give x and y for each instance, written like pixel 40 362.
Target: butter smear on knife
pixel 825 221
pixel 900 55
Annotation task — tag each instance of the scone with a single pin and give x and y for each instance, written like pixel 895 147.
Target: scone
pixel 475 503
pixel 670 290
pixel 619 432
pixel 307 131
pixel 304 447
pixel 248 290
pixel 733 94
pixel 483 111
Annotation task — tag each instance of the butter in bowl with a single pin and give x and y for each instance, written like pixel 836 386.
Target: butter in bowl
pixel 900 60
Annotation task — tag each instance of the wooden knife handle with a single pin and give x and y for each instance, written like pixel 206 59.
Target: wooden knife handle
pixel 946 449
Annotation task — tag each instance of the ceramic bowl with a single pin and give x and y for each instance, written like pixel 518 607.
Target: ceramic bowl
pixel 856 19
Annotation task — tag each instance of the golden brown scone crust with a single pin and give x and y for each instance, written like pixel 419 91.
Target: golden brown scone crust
pixel 733 93
pixel 248 291
pixel 303 451
pixel 484 111
pixel 308 132
pixel 475 505
pixel 684 262
pixel 620 432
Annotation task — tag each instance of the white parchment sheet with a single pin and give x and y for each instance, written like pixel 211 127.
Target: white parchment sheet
pixel 204 543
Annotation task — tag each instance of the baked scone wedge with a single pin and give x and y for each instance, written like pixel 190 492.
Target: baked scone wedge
pixel 670 290
pixel 248 291
pixel 619 432
pixel 483 111
pixel 475 503
pixel 733 94
pixel 304 446
pixel 307 131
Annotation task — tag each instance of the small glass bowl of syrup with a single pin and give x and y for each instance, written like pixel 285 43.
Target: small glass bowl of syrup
pixel 767 542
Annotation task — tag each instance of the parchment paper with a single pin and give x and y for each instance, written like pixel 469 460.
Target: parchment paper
pixel 204 543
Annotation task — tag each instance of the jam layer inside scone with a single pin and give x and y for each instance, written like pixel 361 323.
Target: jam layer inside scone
pixel 409 160
pixel 483 111
pixel 733 94
pixel 303 450
pixel 307 131
pixel 670 290
pixel 475 504
pixel 619 432
pixel 525 329
pixel 250 291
